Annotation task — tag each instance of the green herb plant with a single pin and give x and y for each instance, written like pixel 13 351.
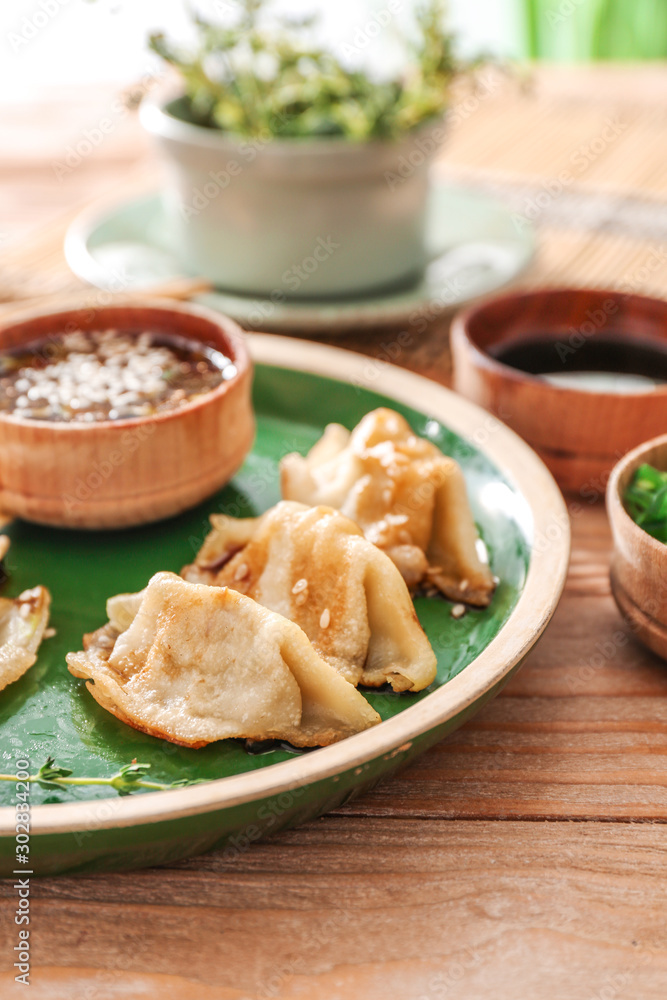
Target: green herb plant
pixel 257 79
pixel 646 501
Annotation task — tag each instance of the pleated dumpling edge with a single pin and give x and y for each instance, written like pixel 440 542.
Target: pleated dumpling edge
pixel 314 566
pixel 408 497
pixel 197 664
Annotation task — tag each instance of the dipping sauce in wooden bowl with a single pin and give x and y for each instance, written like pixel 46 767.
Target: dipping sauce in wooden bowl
pixel 107 375
pixel 120 415
pixel 580 374
pixel 606 363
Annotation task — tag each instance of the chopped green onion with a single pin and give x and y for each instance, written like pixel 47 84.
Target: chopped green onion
pixel 645 500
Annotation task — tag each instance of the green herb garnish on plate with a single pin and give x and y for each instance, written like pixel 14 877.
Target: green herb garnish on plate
pixel 646 501
pixel 128 779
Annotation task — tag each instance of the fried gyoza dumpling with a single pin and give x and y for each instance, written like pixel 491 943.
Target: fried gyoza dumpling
pixel 408 498
pixel 194 664
pixel 315 567
pixel 23 622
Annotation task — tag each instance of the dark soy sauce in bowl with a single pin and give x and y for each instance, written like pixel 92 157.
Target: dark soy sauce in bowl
pixel 612 362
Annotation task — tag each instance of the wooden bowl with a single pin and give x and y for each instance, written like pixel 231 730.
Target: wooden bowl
pixel 639 561
pixel 579 434
pixel 116 473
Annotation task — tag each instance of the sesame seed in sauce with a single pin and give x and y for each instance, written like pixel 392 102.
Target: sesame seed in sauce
pixel 325 618
pixel 458 611
pixel 107 375
pixel 300 585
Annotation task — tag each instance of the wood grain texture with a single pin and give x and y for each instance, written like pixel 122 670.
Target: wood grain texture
pixel 403 909
pixel 522 858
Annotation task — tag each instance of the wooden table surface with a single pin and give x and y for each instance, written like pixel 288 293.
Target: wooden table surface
pixel 523 857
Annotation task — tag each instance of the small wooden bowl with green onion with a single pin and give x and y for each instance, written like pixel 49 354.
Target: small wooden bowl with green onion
pixel 637 508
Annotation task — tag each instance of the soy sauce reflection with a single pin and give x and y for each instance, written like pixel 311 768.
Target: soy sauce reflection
pixel 618 362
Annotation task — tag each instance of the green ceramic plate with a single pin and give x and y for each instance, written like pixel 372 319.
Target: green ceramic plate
pixel 298 389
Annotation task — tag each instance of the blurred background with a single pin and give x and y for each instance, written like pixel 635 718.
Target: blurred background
pixel 64 42
pixel 64 64
pixel 103 41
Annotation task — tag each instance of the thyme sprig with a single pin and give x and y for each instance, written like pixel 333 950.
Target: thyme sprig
pixel 127 780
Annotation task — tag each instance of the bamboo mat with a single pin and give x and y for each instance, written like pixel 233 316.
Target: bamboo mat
pixel 581 154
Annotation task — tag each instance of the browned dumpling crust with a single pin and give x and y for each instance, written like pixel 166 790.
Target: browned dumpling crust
pixel 313 566
pixel 23 622
pixel 193 664
pixel 408 498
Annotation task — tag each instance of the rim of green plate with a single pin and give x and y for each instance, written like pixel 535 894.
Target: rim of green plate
pixel 549 556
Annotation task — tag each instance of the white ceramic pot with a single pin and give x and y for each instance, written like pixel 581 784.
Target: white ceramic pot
pixel 294 218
